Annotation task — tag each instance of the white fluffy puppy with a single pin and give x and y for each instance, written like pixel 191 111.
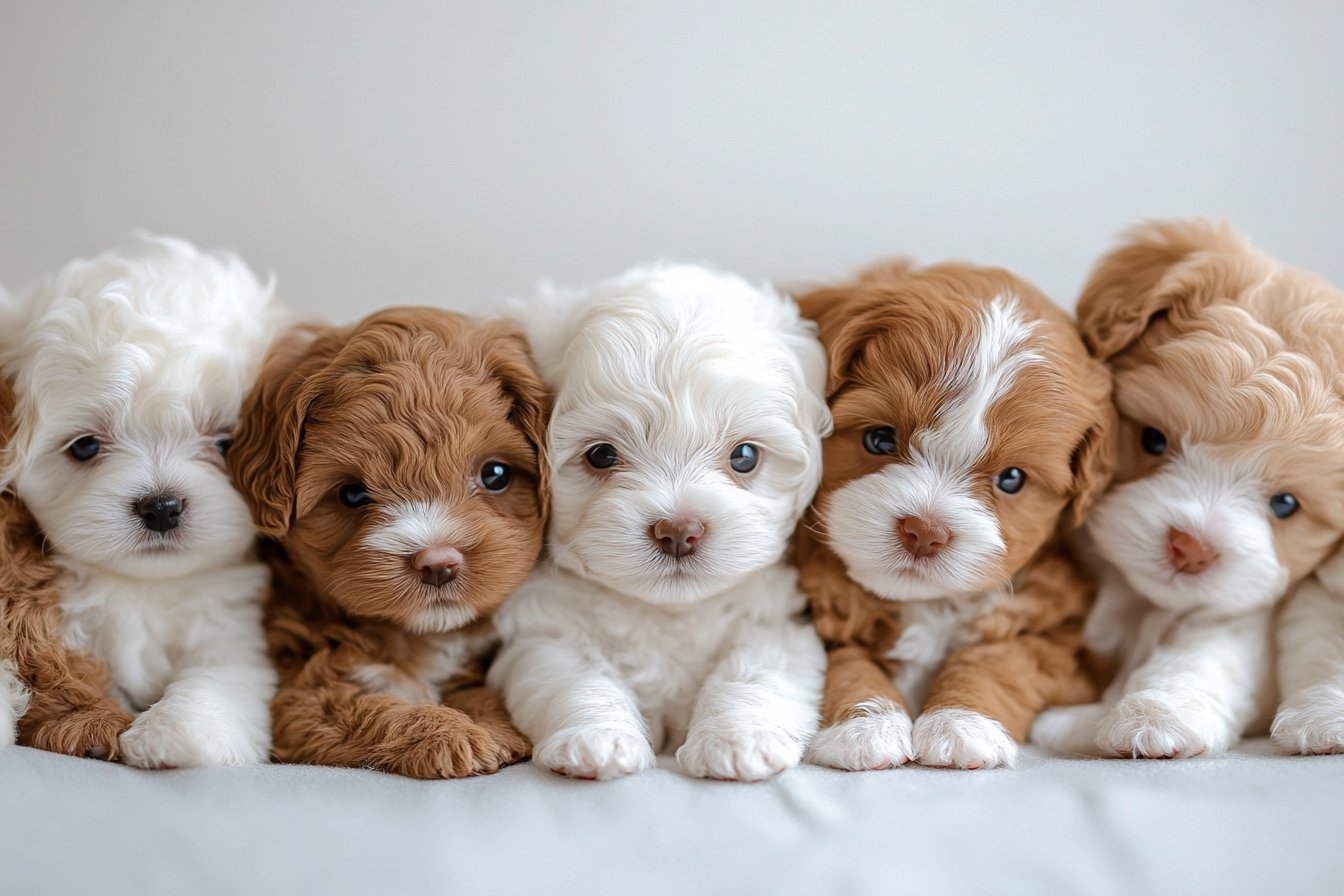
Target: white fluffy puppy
pixel 685 443
pixel 129 370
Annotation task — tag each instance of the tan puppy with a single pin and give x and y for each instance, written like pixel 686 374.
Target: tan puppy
pixel 62 700
pixel 1229 485
pixel 968 418
pixel 398 464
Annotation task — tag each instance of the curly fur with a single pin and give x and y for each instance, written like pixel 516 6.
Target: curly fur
pixel 976 372
pixel 377 667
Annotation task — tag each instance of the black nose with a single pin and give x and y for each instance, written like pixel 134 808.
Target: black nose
pixel 159 513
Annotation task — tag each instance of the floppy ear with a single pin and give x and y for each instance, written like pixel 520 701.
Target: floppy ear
pixel 1094 457
pixel 264 454
pixel 1139 281
pixel 510 359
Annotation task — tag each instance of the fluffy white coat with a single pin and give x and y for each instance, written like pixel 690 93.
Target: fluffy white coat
pixel 615 650
pixel 1311 664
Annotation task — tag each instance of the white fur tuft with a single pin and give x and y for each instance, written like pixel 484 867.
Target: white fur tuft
pixel 962 738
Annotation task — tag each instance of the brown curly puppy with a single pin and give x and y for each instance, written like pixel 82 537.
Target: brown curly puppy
pixel 397 464
pixel 968 419
pixel 62 700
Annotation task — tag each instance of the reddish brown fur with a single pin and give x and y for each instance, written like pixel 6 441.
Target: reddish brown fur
pixel 71 704
pixel 409 402
pixel 890 337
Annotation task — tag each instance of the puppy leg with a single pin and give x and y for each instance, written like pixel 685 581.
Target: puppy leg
pixel 582 720
pixel 983 701
pixel 1311 670
pixel 486 708
pixel 759 708
pixel 867 725
pixel 1196 693
pixel 73 710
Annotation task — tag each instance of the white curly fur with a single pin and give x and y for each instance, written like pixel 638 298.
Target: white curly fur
pixel 614 650
pixel 149 349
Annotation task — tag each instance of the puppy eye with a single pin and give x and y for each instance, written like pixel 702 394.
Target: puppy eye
pixel 354 495
pixel 744 458
pixel 495 476
pixel 1154 440
pixel 880 440
pixel 223 446
pixel 601 456
pixel 84 448
pixel 1283 505
pixel 1010 481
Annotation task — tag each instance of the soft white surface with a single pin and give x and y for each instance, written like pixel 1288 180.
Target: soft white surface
pixel 1248 822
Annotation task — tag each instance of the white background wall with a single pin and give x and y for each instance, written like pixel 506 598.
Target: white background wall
pixel 453 154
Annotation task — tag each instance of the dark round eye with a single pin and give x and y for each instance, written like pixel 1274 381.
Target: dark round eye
pixel 223 445
pixel 354 495
pixel 84 447
pixel 601 456
pixel 1283 505
pixel 879 440
pixel 1154 440
pixel 1010 481
pixel 744 458
pixel 495 476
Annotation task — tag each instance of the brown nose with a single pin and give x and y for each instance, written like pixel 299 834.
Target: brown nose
pixel 677 536
pixel 921 537
pixel 1188 553
pixel 438 565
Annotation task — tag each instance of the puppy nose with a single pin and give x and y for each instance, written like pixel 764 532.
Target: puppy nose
pixel 1188 553
pixel 438 565
pixel 159 513
pixel 677 536
pixel 921 537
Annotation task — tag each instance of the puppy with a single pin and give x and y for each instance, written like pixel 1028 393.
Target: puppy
pixel 968 419
pixel 129 370
pixel 685 444
pixel 63 697
pixel 1229 486
pixel 399 465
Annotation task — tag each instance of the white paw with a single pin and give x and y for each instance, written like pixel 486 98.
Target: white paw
pixel 878 738
pixel 593 752
pixel 1149 725
pixel 1069 729
pixel 1312 723
pixel 962 738
pixel 169 736
pixel 742 754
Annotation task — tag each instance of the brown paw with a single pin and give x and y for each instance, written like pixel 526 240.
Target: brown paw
pixel 89 731
pixel 449 745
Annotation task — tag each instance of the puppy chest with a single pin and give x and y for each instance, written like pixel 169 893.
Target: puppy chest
pixel 422 679
pixel 930 630
pixel 140 646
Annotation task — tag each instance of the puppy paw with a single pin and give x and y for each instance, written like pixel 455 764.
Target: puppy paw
pixel 1069 729
pixel 90 731
pixel 171 736
pixel 595 753
pixel 962 738
pixel 1149 725
pixel 879 737
pixel 1313 723
pixel 455 747
pixel 745 754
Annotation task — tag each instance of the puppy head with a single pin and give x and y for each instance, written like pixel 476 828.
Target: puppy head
pixel 129 370
pixel 685 439
pixel 400 462
pixel 968 417
pixel 1230 478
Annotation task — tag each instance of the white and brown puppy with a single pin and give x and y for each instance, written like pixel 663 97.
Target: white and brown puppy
pixel 970 427
pixel 685 443
pixel 1229 486
pixel 129 371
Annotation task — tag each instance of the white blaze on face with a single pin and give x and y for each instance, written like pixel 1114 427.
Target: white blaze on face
pixel 937 482
pixel 1219 501
pixel 410 527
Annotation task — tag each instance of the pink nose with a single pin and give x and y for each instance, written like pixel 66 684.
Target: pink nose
pixel 438 565
pixel 922 537
pixel 678 536
pixel 1189 554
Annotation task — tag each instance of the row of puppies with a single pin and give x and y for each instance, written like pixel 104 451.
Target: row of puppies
pixel 689 430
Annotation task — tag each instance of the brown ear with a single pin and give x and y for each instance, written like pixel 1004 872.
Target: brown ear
pixel 510 359
pixel 1138 282
pixel 1094 457
pixel 263 457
